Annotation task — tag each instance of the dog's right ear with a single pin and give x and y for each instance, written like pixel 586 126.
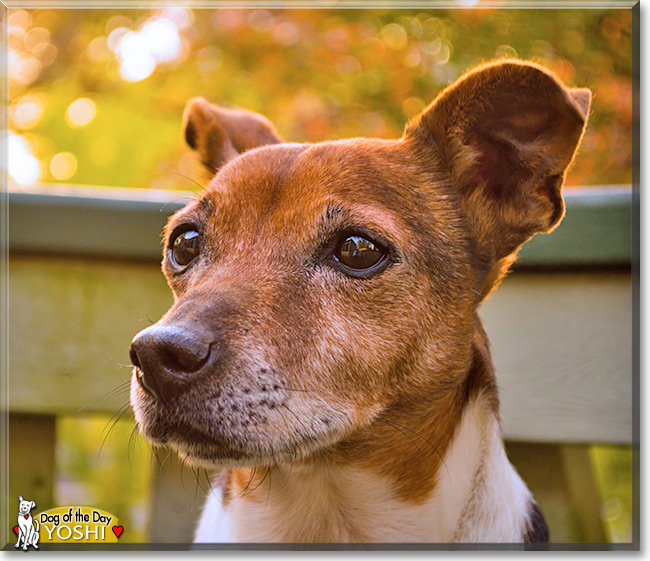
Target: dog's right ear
pixel 219 134
pixel 20 499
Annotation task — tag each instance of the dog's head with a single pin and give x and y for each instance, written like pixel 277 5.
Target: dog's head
pixel 317 285
pixel 25 507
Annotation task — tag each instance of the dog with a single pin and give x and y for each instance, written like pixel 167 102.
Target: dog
pixel 324 351
pixel 27 527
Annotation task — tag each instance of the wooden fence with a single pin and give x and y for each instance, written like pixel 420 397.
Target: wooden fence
pixel 84 277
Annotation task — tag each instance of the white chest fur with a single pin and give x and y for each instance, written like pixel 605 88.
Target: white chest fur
pixel 478 498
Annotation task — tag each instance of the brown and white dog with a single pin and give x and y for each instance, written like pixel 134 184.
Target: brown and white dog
pixel 324 347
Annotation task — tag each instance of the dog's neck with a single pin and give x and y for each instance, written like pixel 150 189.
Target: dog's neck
pixel 470 492
pixel 445 478
pixel 478 497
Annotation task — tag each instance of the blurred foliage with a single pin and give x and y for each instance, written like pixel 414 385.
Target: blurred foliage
pixel 317 74
pixel 613 472
pixel 105 464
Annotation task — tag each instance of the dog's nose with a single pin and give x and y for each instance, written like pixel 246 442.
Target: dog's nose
pixel 167 358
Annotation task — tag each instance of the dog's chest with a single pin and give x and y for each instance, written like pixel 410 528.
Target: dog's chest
pixel 345 506
pixel 478 498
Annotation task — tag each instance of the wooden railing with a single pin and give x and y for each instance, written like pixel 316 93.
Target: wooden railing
pixel 84 277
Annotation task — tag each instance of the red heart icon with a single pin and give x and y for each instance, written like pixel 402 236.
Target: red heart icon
pixel 16 529
pixel 26 516
pixel 117 530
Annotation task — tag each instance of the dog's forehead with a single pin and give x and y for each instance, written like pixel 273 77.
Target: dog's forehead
pixel 286 183
pixel 261 183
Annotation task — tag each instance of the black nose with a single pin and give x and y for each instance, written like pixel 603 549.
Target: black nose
pixel 168 358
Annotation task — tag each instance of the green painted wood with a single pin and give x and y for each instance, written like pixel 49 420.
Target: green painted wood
pixel 597 229
pixel 127 223
pixel 31 464
pixel 177 497
pixel 120 223
pixel 562 349
pixel 70 326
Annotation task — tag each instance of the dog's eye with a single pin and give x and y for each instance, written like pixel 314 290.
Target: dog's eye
pixel 358 253
pixel 185 248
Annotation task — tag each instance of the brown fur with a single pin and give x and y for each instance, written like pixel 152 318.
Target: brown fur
pixel 312 366
pixel 220 134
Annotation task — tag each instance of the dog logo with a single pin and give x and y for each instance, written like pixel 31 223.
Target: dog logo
pixel 27 528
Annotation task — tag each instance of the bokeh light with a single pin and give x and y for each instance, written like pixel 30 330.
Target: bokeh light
pixel 26 111
pixel 98 50
pixel 23 167
pixel 162 39
pixel 24 69
pixel 137 62
pixel 394 36
pixel 37 39
pixel 157 42
pixel 80 112
pixel 63 166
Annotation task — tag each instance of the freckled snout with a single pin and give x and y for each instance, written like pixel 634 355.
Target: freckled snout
pixel 168 359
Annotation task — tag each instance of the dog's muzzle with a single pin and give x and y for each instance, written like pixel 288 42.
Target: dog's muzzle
pixel 168 359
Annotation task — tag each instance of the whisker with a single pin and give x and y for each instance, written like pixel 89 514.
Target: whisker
pixel 254 472
pixel 154 456
pixel 243 492
pixel 181 475
pixel 208 481
pixel 109 359
pixel 297 390
pixel 165 460
pixel 199 484
pixel 276 466
pixel 196 482
pixel 307 430
pixel 208 485
pixel 112 422
pixel 201 187
pixel 132 442
pixel 268 469
pixel 117 390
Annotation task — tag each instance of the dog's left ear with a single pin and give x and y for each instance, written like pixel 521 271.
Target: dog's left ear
pixel 33 504
pixel 505 134
pixel 219 134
